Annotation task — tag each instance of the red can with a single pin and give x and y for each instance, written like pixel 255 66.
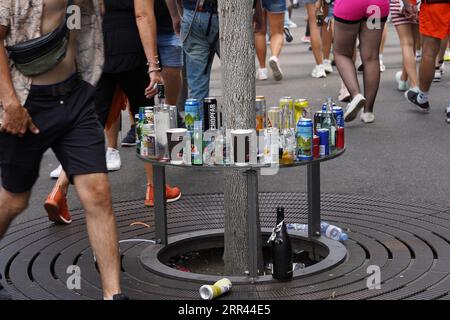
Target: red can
pixel 316 147
pixel 340 138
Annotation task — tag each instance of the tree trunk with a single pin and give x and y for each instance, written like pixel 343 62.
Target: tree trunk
pixel 238 78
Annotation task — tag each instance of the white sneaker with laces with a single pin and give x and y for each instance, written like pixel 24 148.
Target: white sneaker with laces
pixel 437 76
pixel 56 173
pixel 113 162
pixel 402 85
pixel 319 72
pixel 274 64
pixel 327 65
pixel 262 74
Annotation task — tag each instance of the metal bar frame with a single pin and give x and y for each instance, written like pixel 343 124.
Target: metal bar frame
pixel 313 172
pixel 253 223
pixel 159 187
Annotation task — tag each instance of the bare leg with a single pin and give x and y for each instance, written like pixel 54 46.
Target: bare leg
pixel 369 46
pixel 63 182
pixel 260 43
pixel 11 205
pixel 327 39
pixel 430 50
pixel 406 35
pixel 173 82
pixel 276 23
pixel 316 40
pixel 95 195
pixel 440 57
pixel 384 38
pixel 344 44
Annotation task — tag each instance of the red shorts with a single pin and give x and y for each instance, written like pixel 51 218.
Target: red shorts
pixel 434 20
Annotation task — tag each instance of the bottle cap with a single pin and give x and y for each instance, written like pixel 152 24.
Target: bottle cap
pixel 343 237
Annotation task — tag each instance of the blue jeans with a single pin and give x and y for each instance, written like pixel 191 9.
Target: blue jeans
pixel 197 45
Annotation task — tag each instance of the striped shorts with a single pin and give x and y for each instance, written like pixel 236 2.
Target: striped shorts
pixel 396 14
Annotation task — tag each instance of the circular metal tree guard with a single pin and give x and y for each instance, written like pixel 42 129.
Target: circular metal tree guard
pixel 410 242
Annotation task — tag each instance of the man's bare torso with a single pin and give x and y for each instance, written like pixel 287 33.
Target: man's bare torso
pixel 52 16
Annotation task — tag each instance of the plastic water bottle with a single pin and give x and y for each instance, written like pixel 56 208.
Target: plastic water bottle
pixel 332 232
pixel 327 230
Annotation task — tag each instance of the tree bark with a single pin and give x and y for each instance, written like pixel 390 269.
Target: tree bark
pixel 238 79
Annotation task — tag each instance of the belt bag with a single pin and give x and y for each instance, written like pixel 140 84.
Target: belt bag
pixel 37 56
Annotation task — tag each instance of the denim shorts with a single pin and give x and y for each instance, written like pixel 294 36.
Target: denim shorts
pixel 309 1
pixel 274 6
pixel 170 50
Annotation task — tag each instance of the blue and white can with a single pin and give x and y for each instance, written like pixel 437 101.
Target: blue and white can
pixel 305 134
pixel 192 113
pixel 339 115
pixel 324 135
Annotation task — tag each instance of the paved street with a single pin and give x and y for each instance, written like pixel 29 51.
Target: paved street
pixel 404 155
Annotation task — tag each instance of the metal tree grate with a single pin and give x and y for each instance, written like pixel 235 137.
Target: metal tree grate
pixel 410 242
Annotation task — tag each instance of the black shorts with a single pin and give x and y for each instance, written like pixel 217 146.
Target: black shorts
pixel 68 124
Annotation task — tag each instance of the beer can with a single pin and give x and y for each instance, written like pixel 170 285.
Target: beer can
pixel 304 139
pixel 210 117
pixel 287 112
pixel 339 115
pixel 324 135
pixel 316 147
pixel 340 138
pixel 318 115
pixel 274 118
pixel 260 113
pixel 192 113
pixel 208 292
pixel 301 109
pixel 287 101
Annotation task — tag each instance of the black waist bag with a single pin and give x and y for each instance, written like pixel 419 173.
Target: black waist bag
pixel 37 56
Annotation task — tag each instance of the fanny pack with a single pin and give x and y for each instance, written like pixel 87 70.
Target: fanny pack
pixel 37 56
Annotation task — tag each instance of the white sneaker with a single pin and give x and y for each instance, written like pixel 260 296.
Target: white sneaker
pixel 319 71
pixel 113 162
pixel 327 65
pixel 418 55
pixel 382 66
pixel 274 64
pixel 367 117
pixel 292 24
pixel 354 107
pixel 437 76
pixel 402 85
pixel 262 74
pixel 56 173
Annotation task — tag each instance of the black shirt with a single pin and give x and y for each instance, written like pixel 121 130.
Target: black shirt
pixel 163 19
pixel 123 47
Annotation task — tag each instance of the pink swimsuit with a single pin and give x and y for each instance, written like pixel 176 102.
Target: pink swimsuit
pixel 353 11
